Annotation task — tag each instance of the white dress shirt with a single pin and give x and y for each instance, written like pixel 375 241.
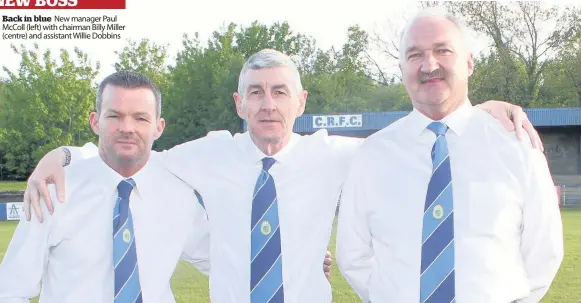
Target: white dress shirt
pixel 71 253
pixel 508 231
pixel 308 176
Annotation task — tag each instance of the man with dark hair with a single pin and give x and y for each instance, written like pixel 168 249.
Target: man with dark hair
pixel 129 79
pixel 114 241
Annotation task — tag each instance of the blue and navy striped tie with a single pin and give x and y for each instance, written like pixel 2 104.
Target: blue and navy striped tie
pixel 266 258
pixel 437 280
pixel 127 286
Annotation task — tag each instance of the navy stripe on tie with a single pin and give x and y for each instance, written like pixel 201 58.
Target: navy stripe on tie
pixel 263 200
pixel 437 271
pixel 439 151
pixel 128 289
pixel 440 179
pixel 267 288
pixel 443 235
pixel 278 297
pixel 125 267
pixel 445 292
pixel 265 258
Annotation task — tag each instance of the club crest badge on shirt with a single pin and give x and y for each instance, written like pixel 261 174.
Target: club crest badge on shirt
pixel 265 228
pixel 126 235
pixel 438 212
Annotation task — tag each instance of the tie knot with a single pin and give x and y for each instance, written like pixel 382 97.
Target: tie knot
pixel 438 128
pixel 267 163
pixel 125 187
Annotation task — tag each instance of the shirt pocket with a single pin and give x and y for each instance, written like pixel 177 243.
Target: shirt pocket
pixel 491 208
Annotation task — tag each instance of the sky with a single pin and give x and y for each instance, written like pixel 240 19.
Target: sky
pixel 325 20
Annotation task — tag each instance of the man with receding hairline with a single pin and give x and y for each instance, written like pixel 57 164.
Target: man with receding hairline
pixel 445 205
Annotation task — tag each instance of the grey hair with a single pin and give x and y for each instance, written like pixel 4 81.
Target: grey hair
pixel 434 12
pixel 129 79
pixel 268 58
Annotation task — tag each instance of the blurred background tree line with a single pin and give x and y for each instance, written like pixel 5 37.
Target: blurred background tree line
pixel 533 59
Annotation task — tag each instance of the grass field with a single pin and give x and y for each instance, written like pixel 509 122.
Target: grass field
pixel 189 286
pixel 4 185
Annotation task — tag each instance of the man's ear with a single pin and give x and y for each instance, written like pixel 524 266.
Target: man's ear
pixel 470 63
pixel 302 102
pixel 94 122
pixel 238 101
pixel 159 128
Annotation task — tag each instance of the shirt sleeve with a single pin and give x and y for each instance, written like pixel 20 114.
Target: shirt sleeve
pixel 542 234
pixel 197 246
pixel 26 259
pixel 188 160
pixel 344 149
pixel 355 255
pixel 86 151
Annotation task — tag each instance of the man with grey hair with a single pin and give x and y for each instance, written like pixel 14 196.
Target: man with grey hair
pixel 445 205
pixel 103 246
pixel 270 194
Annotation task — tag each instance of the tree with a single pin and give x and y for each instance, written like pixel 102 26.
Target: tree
pixel 570 61
pixel 203 81
pixel 518 29
pixel 45 105
pixel 145 57
pixel 494 79
pixel 256 37
pixel 340 80
pixel 561 82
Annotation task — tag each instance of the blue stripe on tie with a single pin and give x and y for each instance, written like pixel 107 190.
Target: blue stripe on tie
pixel 118 231
pixel 258 238
pixel 139 298
pixel 439 152
pixel 265 259
pixel 127 291
pixel 440 179
pixel 437 242
pixel 430 222
pixel 437 272
pixel 444 293
pixel 271 283
pixel 263 199
pixel 116 215
pixel 278 297
pixel 125 267
pixel 120 247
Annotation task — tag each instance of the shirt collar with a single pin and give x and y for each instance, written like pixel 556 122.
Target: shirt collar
pixel 255 155
pixel 456 121
pixel 110 179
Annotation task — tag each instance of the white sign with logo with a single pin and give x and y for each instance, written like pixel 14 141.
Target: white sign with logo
pixel 337 121
pixel 13 210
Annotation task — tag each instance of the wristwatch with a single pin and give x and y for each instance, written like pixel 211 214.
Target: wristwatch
pixel 67 156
